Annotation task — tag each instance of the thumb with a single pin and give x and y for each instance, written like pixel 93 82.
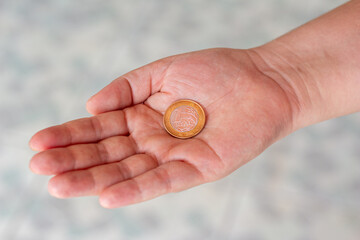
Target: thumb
pixel 129 89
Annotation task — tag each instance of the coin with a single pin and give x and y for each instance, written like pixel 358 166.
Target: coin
pixel 184 119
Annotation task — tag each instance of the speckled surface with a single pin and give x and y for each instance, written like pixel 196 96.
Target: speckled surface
pixel 56 54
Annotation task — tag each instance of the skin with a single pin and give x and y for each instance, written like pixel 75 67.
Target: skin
pixel 251 98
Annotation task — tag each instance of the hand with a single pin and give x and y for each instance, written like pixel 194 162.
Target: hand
pixel 124 155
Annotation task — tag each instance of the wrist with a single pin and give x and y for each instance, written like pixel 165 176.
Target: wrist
pixel 287 71
pixel 317 66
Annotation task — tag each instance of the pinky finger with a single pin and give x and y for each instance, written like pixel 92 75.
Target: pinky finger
pixel 170 177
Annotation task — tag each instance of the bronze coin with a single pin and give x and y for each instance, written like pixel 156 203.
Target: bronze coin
pixel 184 119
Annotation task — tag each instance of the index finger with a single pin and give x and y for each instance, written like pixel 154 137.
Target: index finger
pixel 84 130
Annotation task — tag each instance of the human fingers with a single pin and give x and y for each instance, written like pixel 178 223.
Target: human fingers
pixel 92 181
pixel 132 88
pixel 169 177
pixel 84 130
pixel 80 156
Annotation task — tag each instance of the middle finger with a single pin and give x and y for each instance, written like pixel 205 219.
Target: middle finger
pixel 80 156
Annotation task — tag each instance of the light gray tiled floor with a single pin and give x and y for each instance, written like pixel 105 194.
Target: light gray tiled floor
pixel 56 54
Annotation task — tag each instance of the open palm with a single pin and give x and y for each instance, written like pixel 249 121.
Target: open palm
pixel 123 153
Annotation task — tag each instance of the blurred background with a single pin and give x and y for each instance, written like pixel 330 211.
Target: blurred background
pixel 55 54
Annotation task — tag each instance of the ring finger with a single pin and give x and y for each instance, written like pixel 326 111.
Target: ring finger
pixel 94 180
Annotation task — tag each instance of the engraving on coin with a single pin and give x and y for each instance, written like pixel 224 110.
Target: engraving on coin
pixel 184 118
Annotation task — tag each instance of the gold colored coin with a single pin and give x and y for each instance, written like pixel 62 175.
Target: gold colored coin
pixel 184 119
